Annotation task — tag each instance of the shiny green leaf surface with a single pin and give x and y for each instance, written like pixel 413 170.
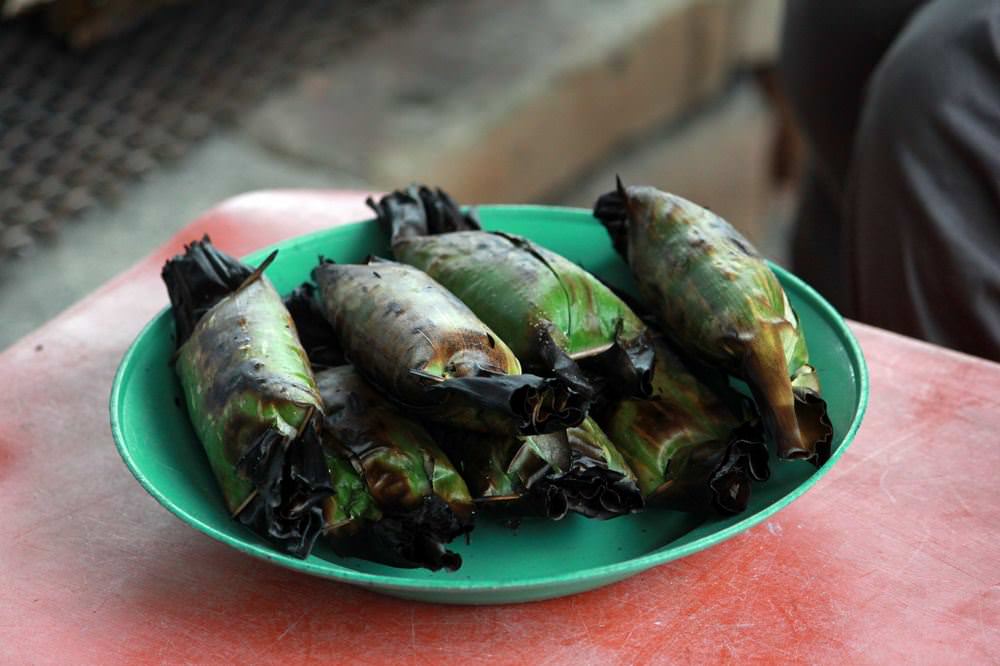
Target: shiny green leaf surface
pixel 226 410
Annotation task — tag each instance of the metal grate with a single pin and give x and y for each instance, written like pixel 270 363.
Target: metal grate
pixel 76 128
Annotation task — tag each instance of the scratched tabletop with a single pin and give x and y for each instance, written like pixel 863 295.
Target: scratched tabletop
pixel 892 557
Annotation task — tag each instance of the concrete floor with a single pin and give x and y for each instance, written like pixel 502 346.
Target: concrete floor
pixel 109 239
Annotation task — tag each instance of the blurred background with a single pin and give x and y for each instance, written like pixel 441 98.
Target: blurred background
pixel 122 120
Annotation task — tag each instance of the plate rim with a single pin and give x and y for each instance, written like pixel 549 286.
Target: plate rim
pixel 333 571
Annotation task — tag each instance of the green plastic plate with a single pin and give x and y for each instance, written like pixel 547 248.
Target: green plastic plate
pixel 538 560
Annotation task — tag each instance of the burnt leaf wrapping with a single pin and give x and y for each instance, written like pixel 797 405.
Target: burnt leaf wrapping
pixel 599 482
pixel 691 448
pixel 315 332
pixel 576 470
pixel 508 473
pixel 423 501
pixel 250 395
pixel 718 300
pixel 423 348
pixel 557 318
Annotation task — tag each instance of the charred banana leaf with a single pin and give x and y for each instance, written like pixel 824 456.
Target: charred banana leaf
pixel 423 502
pixel 718 300
pixel 689 448
pixel 555 316
pixel 317 336
pixel 407 528
pixel 599 483
pixel 577 470
pixel 425 349
pixel 250 394
pixel 516 475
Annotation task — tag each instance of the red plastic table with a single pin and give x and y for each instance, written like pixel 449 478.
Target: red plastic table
pixel 894 556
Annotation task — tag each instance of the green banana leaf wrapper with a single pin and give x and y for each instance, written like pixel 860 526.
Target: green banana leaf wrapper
pixel 350 510
pixel 691 448
pixel 250 395
pixel 557 318
pixel 718 300
pixel 599 483
pixel 424 348
pixel 422 501
pixel 510 474
pixel 503 472
pixel 366 441
pixel 577 470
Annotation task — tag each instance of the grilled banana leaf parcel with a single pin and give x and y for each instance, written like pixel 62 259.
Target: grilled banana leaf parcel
pixel 424 503
pixel 413 513
pixel 250 394
pixel 576 470
pixel 689 448
pixel 599 483
pixel 718 300
pixel 516 475
pixel 421 346
pixel 555 316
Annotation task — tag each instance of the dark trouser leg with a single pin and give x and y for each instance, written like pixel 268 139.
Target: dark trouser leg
pixel 816 256
pixel 922 226
pixel 828 51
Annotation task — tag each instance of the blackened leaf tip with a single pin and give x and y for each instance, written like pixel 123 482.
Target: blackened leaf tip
pixel 611 209
pixel 593 490
pixel 197 280
pixel 414 538
pixel 291 482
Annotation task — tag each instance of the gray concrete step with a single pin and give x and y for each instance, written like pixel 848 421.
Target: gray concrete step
pixel 510 101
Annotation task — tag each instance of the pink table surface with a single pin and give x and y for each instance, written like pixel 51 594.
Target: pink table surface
pixel 894 556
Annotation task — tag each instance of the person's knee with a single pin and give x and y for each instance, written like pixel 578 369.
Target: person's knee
pixel 943 60
pixel 829 50
pixel 920 233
